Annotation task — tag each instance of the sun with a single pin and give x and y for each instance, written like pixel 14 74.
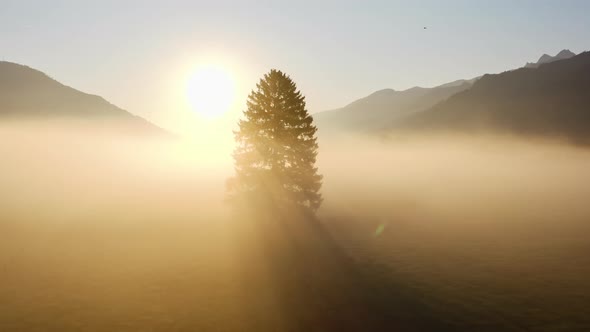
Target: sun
pixel 210 91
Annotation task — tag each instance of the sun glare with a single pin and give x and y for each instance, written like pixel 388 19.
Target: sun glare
pixel 210 91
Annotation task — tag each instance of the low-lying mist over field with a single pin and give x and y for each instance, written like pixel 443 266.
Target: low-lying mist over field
pixel 487 233
pixel 76 171
pixel 460 178
pixel 481 232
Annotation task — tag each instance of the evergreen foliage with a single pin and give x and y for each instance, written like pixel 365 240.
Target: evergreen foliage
pixel 276 148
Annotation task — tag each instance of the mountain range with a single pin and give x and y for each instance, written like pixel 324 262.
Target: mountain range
pixel 550 100
pixel 28 94
pixel 550 97
pixel 385 106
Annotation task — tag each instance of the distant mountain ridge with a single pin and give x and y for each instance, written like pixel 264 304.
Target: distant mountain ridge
pixel 26 93
pixel 384 106
pixel 550 100
pixel 548 97
pixel 545 58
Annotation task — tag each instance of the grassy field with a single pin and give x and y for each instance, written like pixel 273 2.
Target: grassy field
pixel 503 277
pixel 185 276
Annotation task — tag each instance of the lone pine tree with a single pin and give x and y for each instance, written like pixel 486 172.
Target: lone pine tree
pixel 276 147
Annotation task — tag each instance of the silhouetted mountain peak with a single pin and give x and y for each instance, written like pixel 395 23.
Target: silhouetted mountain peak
pixel 565 54
pixel 546 58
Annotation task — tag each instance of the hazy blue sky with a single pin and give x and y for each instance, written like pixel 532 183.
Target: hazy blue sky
pixel 134 52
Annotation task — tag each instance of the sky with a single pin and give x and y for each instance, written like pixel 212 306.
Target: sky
pixel 137 54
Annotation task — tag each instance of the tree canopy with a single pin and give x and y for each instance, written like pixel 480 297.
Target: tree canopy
pixel 276 147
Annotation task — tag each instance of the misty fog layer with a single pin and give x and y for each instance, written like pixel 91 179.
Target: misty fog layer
pixel 489 233
pixel 466 179
pixel 120 232
pixel 74 171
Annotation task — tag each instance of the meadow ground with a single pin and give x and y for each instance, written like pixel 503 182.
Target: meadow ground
pixel 503 278
pixel 183 276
